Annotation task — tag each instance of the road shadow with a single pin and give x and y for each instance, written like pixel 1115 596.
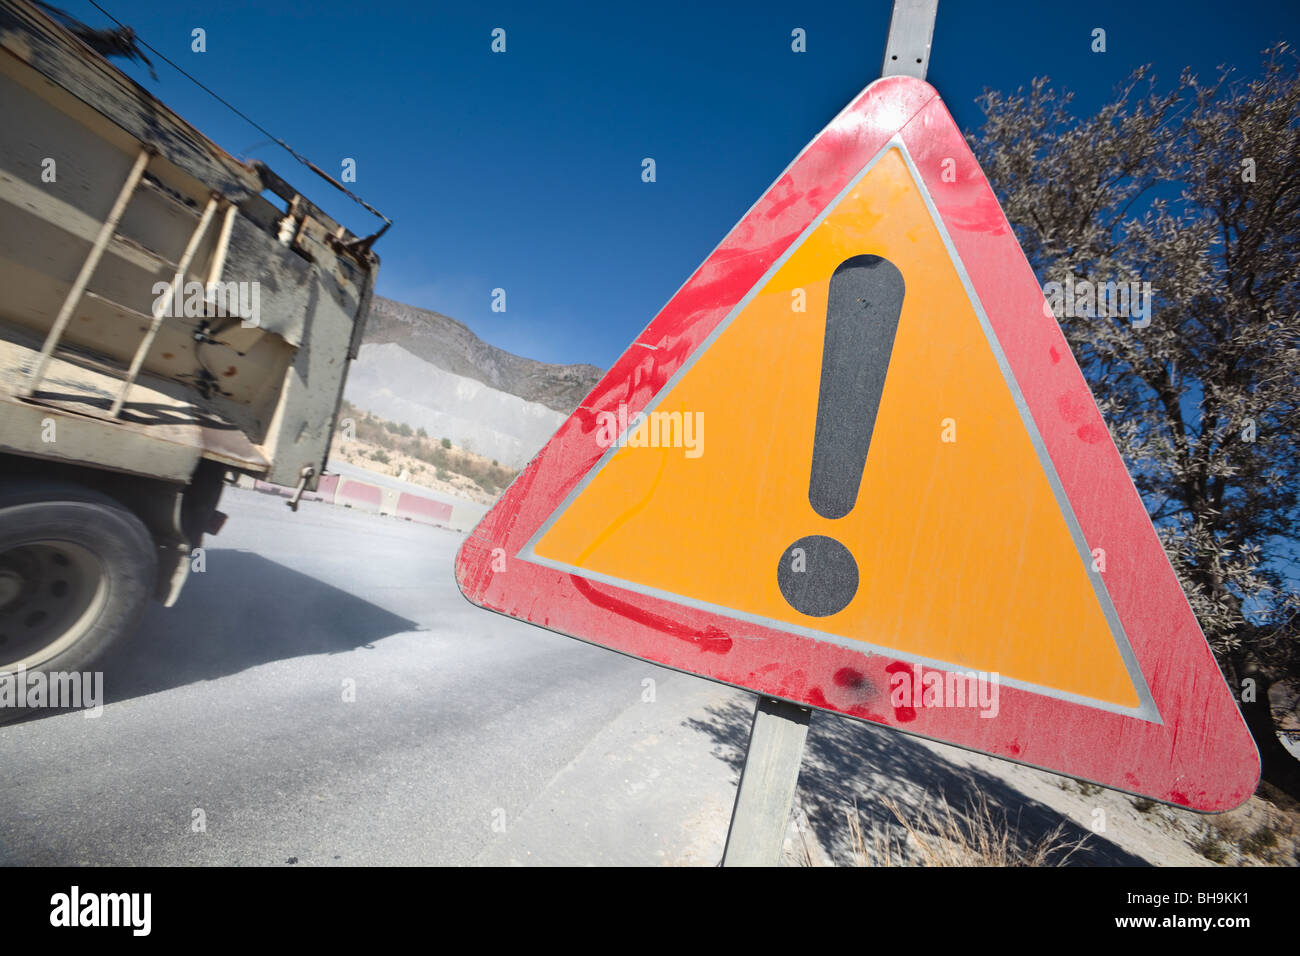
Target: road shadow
pixel 242 611
pixel 849 763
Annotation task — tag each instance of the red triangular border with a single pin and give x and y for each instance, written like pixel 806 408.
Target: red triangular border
pixel 1201 756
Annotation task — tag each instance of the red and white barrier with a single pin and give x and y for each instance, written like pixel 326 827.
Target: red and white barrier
pixel 378 499
pixel 426 510
pixel 359 494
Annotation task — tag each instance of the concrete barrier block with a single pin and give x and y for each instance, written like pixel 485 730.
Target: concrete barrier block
pixel 424 510
pixel 361 495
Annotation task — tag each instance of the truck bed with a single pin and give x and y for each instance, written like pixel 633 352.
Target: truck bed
pixel 106 197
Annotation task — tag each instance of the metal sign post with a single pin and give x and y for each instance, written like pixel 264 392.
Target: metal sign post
pixel 907 51
pixel 766 791
pixel 767 784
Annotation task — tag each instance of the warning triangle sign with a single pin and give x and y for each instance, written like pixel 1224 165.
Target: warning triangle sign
pixel 853 464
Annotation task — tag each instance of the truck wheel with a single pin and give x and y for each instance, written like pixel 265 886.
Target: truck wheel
pixel 76 571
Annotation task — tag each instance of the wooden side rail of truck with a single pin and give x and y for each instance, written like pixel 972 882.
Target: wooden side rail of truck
pixel 162 325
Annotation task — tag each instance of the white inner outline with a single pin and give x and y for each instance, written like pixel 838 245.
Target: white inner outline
pixel 1146 708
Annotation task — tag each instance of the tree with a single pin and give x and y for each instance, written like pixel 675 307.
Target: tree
pixel 1195 190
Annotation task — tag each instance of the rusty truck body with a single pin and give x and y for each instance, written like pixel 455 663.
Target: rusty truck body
pixel 170 318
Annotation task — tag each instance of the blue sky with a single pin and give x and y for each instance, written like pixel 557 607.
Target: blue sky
pixel 522 170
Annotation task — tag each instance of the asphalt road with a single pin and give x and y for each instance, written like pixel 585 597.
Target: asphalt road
pixel 322 694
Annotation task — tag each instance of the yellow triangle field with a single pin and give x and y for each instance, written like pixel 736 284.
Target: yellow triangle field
pixel 963 552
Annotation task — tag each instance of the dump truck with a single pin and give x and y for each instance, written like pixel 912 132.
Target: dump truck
pixel 170 318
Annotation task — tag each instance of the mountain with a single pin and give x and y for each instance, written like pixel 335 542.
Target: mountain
pixel 427 370
pixel 442 341
pixel 392 383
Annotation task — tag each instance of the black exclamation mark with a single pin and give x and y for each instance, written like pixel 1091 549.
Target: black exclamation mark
pixel 817 575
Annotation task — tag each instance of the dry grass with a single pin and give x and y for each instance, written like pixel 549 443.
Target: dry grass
pixel 940 836
pixel 396 449
pixel 1258 832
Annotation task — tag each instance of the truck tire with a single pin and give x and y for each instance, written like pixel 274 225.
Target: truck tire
pixel 76 571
